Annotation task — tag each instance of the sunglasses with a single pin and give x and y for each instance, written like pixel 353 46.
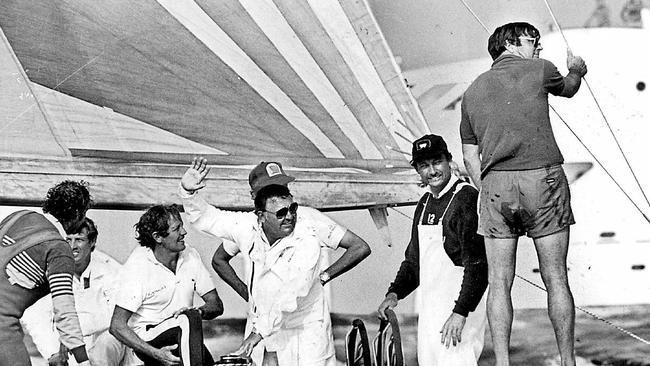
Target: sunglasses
pixel 284 211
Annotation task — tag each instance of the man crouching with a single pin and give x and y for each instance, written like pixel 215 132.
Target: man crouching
pixel 156 293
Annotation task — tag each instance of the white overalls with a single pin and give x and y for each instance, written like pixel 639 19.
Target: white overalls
pixel 440 282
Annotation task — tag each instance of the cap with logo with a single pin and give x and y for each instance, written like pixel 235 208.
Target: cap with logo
pixel 428 147
pixel 266 174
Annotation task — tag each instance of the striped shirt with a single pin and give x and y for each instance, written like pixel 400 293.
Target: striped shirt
pixel 26 268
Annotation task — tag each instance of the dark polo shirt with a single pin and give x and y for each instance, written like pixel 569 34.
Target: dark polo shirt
pixel 505 112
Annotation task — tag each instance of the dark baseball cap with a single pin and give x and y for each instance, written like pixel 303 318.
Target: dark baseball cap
pixel 266 174
pixel 429 147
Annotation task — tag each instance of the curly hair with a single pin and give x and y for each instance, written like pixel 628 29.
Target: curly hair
pixel 155 220
pixel 509 33
pixel 67 200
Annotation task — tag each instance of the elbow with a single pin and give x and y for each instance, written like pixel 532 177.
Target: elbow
pixel 218 308
pixel 113 330
pixel 219 264
pixel 364 251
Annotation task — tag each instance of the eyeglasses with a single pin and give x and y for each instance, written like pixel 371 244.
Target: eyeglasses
pixel 284 211
pixel 535 40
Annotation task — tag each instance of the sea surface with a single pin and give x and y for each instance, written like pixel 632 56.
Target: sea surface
pixel 533 344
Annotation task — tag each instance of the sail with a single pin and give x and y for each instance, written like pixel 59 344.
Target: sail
pixel 123 94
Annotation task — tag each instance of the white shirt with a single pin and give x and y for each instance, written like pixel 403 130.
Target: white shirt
pixel 283 278
pixel 240 229
pixel 93 304
pixel 153 293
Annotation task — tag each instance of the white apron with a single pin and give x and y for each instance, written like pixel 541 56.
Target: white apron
pixel 440 282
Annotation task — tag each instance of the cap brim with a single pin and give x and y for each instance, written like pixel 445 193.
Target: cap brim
pixel 281 180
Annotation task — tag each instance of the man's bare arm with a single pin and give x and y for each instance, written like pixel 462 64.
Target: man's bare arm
pixel 356 250
pixel 213 306
pixel 221 264
pixel 120 330
pixel 577 69
pixel 472 162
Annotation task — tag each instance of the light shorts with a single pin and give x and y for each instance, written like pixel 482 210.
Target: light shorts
pixel 534 202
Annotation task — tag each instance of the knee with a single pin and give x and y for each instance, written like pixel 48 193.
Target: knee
pixel 500 281
pixel 555 278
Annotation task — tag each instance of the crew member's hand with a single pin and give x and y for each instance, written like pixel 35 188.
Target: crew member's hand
pixel 193 178
pixel 452 330
pixel 389 303
pixel 165 356
pixel 60 358
pixel 57 359
pixel 575 63
pixel 180 311
pixel 249 343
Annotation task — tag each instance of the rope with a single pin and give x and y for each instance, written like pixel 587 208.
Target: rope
pixel 600 109
pixel 620 329
pixel 601 165
pixel 573 132
pixel 475 16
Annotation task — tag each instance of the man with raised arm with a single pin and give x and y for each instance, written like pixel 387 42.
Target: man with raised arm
pixel 35 260
pixel 510 153
pixel 332 235
pixel 276 222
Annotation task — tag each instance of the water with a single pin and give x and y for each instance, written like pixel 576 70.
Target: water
pixel 532 343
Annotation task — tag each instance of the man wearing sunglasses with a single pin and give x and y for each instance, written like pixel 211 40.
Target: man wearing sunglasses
pixel 510 153
pixel 276 222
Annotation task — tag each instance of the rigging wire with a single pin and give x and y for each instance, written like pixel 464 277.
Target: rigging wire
pixel 619 328
pixel 601 165
pixel 574 134
pixel 602 113
pixel 588 312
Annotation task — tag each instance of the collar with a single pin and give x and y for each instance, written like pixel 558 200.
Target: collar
pixel 56 224
pixel 504 57
pixel 447 188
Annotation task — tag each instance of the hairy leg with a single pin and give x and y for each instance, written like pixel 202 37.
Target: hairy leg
pixel 501 256
pixel 552 253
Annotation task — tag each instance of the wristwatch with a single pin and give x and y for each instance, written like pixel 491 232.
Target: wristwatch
pixel 324 277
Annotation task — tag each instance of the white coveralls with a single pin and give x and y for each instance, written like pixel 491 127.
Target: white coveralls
pixel 440 282
pixel 93 301
pixel 242 234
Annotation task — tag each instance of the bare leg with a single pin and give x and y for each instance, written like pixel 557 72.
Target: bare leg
pixel 501 256
pixel 552 253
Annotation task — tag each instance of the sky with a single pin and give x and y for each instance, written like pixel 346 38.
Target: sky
pixel 427 32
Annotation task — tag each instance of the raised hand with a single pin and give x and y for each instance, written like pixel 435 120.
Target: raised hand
pixel 193 178
pixel 575 63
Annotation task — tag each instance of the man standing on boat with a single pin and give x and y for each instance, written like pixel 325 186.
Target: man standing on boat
pixel 302 335
pixel 511 155
pixel 330 234
pixel 445 260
